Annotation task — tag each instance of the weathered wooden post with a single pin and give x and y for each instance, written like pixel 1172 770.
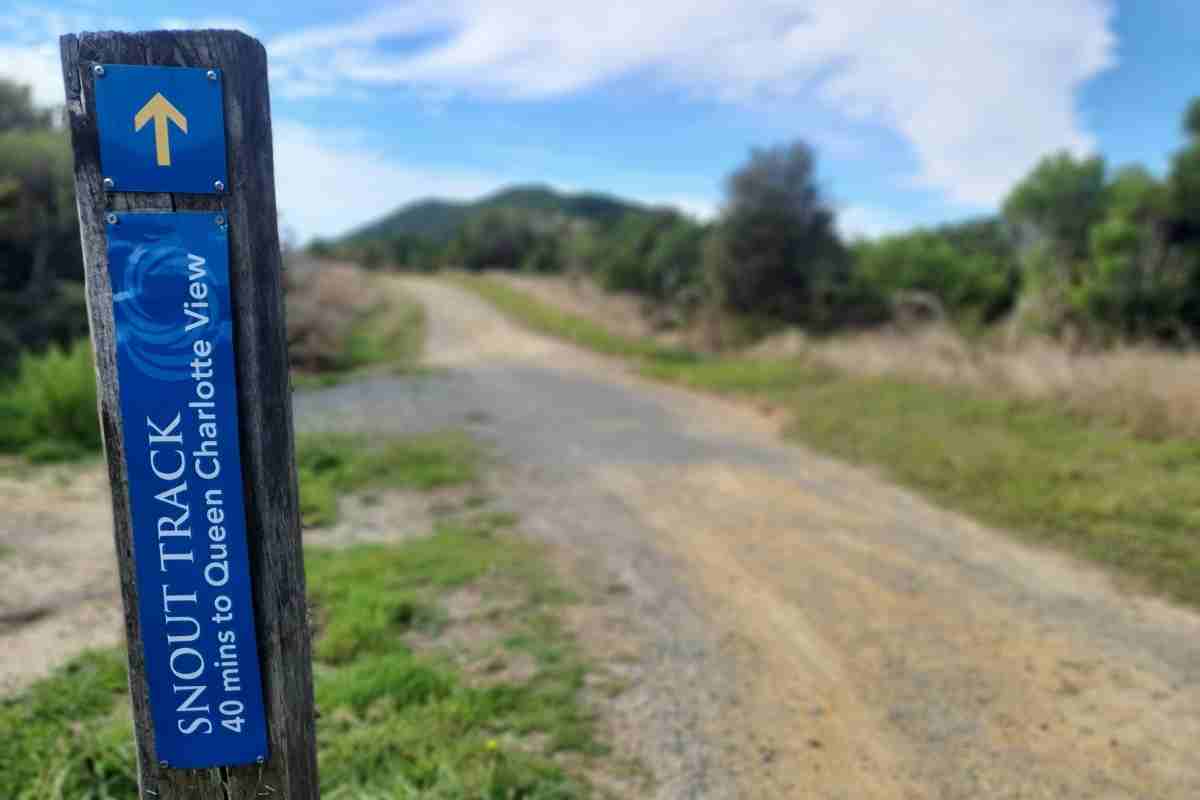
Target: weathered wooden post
pixel 175 185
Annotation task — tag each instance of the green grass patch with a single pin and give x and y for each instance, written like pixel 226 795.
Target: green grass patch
pixel 390 335
pixel 331 464
pixel 48 410
pixel 572 327
pixel 70 735
pixel 1088 487
pixel 397 721
pixel 403 723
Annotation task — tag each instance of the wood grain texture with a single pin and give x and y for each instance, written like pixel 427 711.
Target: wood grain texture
pixel 264 396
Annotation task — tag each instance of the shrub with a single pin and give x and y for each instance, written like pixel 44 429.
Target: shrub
pixel 775 251
pixel 971 284
pixel 49 410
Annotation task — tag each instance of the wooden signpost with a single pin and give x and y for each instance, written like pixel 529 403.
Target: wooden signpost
pixel 175 187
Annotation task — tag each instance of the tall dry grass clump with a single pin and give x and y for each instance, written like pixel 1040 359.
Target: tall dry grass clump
pixel 324 301
pixel 1154 392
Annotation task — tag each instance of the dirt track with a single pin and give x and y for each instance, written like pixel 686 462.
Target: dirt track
pixel 804 629
pixel 787 626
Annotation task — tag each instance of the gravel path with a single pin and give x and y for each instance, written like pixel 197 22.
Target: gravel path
pixel 788 627
pixel 794 627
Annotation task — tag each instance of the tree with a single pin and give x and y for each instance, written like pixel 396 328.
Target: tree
pixel 1057 204
pixel 497 238
pixel 973 280
pixel 17 111
pixel 1183 181
pixel 41 290
pixel 775 251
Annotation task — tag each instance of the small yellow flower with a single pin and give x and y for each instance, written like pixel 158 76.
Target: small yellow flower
pixel 492 745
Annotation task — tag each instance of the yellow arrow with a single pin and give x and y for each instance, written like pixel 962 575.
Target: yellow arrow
pixel 160 110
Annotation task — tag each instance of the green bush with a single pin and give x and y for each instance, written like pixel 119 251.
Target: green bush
pixel 775 251
pixel 971 285
pixel 49 411
pixel 656 254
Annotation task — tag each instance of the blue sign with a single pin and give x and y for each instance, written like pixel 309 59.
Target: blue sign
pixel 174 330
pixel 162 129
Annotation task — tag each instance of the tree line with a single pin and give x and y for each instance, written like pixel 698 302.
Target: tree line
pixel 1077 249
pixel 41 280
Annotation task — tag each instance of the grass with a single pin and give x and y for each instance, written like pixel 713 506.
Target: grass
pixel 408 709
pixel 402 722
pixel 332 464
pixel 48 410
pixel 1086 485
pixel 547 319
pixel 388 334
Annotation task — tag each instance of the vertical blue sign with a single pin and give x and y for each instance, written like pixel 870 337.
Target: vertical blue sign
pixel 178 400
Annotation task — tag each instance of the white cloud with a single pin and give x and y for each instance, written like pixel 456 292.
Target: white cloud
pixel 979 90
pixel 869 222
pixel 328 181
pixel 703 209
pixel 206 23
pixel 37 66
pixel 29 46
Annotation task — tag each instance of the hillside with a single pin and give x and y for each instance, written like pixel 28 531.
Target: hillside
pixel 438 219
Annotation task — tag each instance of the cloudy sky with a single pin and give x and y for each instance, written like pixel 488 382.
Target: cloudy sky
pixel 921 110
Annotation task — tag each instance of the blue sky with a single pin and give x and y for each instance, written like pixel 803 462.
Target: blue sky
pixel 921 111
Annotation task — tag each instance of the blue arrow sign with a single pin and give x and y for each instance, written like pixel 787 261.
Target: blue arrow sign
pixel 162 129
pixel 178 401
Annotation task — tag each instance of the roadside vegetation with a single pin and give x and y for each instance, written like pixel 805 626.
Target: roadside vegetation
pixel 442 668
pixel 1083 252
pixel 48 408
pixel 344 323
pixel 1083 484
pixel 330 464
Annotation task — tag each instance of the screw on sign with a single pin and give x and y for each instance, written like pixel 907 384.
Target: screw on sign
pixel 186 314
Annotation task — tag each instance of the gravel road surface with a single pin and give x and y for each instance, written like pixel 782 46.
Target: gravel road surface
pixel 791 626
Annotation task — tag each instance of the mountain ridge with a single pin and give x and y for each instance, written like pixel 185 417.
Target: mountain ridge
pixel 437 219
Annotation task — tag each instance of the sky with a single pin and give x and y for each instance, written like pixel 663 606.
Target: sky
pixel 921 111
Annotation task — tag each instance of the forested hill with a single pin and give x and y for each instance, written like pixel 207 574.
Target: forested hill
pixel 440 219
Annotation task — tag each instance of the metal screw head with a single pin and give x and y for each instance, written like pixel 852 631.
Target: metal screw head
pixel 98 70
pixel 111 218
pixel 220 219
pixel 260 760
pixel 212 74
pixel 219 185
pixel 163 765
pixel 108 183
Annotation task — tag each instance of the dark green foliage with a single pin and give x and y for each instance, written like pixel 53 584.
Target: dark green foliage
pixel 1134 284
pixel 1105 256
pixel 439 220
pixel 414 253
pixel 48 411
pixel 321 248
pixel 41 297
pixel 967 268
pixel 498 238
pixel 17 112
pixel 1058 203
pixel 657 254
pixel 1112 256
pixel 775 251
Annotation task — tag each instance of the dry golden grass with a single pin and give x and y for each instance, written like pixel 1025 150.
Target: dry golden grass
pixel 1154 392
pixel 324 301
